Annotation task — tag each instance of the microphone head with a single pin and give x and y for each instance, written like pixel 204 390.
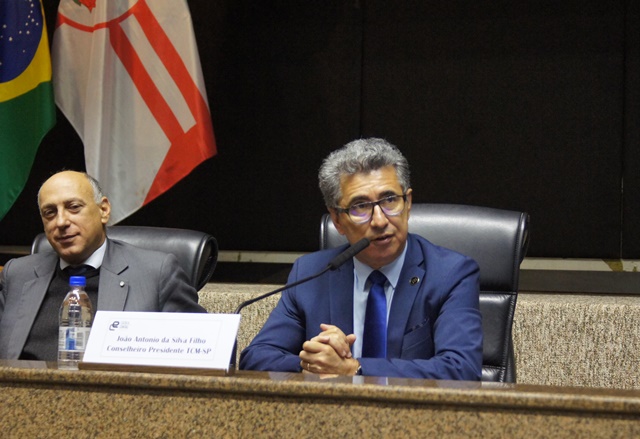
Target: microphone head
pixel 359 246
pixel 348 253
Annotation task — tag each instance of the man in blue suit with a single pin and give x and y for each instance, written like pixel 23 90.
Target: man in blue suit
pixel 428 324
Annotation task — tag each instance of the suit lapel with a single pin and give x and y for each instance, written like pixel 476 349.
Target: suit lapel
pixel 404 297
pixel 341 297
pixel 33 293
pixel 114 287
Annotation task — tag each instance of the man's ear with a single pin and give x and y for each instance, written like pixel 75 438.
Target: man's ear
pixel 105 210
pixel 335 217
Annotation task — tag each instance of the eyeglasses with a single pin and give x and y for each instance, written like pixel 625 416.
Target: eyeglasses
pixel 361 213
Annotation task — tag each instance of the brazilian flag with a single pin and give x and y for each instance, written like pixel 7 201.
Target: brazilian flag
pixel 27 109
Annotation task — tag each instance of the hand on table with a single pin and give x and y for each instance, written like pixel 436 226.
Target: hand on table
pixel 329 352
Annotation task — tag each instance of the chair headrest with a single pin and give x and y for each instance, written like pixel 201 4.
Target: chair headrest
pixel 496 239
pixel 197 252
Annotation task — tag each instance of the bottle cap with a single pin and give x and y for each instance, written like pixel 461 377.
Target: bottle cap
pixel 78 281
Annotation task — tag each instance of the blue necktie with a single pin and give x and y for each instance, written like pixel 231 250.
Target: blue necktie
pixel 374 339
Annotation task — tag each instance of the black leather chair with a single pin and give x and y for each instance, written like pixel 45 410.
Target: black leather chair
pixel 498 241
pixel 197 252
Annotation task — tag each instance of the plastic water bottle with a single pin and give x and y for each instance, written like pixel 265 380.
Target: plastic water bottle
pixel 76 317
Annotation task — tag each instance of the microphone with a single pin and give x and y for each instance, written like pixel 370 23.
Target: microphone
pixel 348 254
pixel 334 264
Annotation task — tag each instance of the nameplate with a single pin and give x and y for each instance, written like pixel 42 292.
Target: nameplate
pixel 168 341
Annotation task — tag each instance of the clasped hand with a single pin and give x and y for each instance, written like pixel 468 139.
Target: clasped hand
pixel 329 352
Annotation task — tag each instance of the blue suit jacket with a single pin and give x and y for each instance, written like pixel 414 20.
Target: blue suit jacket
pixel 434 330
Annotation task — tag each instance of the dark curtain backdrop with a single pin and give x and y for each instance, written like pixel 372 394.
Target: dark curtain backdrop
pixel 518 105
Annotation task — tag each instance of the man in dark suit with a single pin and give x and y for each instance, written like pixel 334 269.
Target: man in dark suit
pixel 420 318
pixel 120 277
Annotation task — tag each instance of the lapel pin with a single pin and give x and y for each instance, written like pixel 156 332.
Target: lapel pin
pixel 121 284
pixel 414 280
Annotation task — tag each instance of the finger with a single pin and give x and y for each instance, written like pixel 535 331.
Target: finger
pixel 327 327
pixel 321 339
pixel 314 347
pixel 340 344
pixel 306 366
pixel 337 339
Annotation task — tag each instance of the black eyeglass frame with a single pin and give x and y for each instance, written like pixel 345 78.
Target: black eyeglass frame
pixel 373 206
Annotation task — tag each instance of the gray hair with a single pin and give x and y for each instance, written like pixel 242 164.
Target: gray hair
pixel 362 155
pixel 98 193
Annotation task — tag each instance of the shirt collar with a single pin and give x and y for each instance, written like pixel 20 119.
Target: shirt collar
pixel 391 271
pixel 95 260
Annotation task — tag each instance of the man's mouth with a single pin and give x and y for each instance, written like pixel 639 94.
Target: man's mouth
pixel 382 239
pixel 65 239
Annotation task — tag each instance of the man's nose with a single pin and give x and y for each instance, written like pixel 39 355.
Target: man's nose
pixel 62 219
pixel 378 218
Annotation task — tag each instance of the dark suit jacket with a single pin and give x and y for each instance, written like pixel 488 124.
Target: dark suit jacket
pixel 131 279
pixel 434 330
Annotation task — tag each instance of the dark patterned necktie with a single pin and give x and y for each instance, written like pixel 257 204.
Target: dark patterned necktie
pixel 374 339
